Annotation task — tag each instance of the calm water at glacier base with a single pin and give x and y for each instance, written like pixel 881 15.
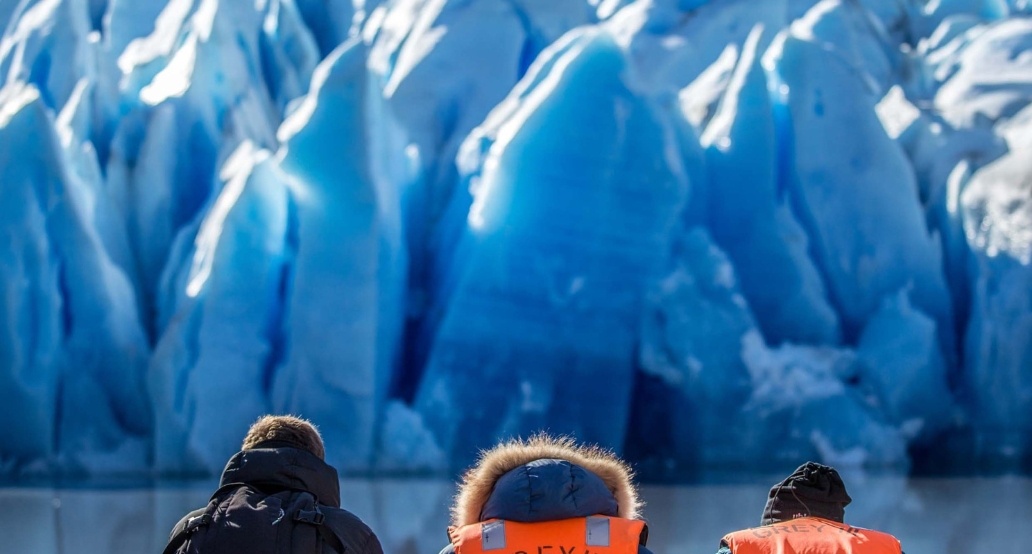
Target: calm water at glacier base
pixel 930 516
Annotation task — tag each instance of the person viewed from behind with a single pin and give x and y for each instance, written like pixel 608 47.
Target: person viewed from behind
pixel 547 495
pixel 276 496
pixel 805 513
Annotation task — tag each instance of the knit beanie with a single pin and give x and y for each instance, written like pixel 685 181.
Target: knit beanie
pixel 811 490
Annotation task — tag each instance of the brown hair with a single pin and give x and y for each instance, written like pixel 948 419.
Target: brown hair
pixel 289 429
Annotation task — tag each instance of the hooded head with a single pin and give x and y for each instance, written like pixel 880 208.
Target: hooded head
pixel 811 490
pixel 545 478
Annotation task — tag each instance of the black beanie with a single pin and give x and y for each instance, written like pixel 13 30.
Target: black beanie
pixel 812 490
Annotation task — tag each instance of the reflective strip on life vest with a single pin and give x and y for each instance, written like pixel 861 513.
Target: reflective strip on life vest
pixel 586 535
pixel 492 535
pixel 597 533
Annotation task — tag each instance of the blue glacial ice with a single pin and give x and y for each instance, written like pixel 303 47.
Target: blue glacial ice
pixel 557 249
pixel 707 234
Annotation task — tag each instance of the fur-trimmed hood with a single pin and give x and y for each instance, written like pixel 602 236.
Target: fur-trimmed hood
pixel 478 486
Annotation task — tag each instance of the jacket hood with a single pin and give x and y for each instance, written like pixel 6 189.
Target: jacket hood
pixel 284 467
pixel 545 478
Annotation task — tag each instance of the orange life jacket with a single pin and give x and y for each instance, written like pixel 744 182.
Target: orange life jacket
pixel 581 535
pixel 811 535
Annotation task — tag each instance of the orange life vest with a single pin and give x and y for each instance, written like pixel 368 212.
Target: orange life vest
pixel 811 535
pixel 581 535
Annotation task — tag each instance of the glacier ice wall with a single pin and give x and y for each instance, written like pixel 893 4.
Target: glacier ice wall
pixel 708 234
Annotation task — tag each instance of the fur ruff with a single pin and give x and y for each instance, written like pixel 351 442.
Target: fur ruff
pixel 479 481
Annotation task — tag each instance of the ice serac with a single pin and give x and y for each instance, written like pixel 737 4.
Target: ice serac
pixel 846 178
pixel 31 330
pixel 49 46
pixel 989 77
pixel 671 47
pixel 484 48
pixel 433 115
pixel 779 404
pixel 73 350
pixel 750 216
pixel 806 408
pixel 344 299
pixel 576 186
pixel 691 337
pixel 996 210
pixel 75 125
pixel 208 77
pixel 211 370
pixel 980 206
pixel 857 37
pixel 901 367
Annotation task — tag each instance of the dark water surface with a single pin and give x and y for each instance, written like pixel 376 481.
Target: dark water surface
pixel 930 516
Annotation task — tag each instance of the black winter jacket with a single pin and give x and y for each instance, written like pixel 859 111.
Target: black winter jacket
pixel 273 468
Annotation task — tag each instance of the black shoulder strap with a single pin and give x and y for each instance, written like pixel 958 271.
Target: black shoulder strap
pixel 191 525
pixel 197 521
pixel 175 542
pixel 315 517
pixel 331 538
